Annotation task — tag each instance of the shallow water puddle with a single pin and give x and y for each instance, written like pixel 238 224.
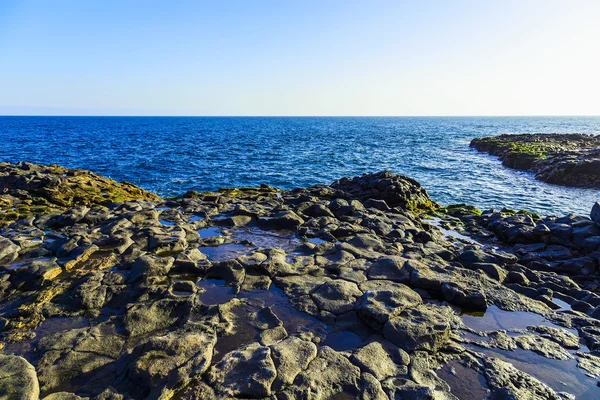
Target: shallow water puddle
pixel 562 376
pixel 451 234
pixel 343 341
pixel 166 223
pixel 564 306
pixel 316 241
pixel 22 263
pixel 294 321
pixel 464 382
pixel 244 333
pixel 195 218
pixel 60 324
pixel 267 239
pixel 209 232
pixel 225 252
pixel 48 327
pixel 495 319
pixel 216 292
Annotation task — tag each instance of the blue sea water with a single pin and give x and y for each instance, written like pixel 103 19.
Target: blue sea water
pixel 170 155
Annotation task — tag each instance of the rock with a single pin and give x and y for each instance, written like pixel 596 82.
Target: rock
pixel 337 296
pixel 94 297
pixel 87 354
pixel 39 189
pixel 33 274
pixel 595 213
pixel 145 318
pixel 507 382
pixel 492 270
pixel 18 379
pixel 561 336
pixel 99 288
pixel 327 375
pixel 402 388
pixel 591 243
pixel 247 372
pixel 291 356
pixel 565 159
pixel 541 230
pixel 72 216
pixel 283 220
pixel 377 204
pixel 467 297
pixel 162 364
pixel 167 244
pixel 420 328
pixel 230 271
pixel 9 251
pixel 64 396
pixel 371 388
pixel 471 257
pixel 317 210
pixel 390 268
pixel 395 190
pixel 545 347
pixel 148 265
pixel 377 306
pixel 375 359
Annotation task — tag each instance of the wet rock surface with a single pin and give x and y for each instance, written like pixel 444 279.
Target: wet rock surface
pixel 328 292
pixel 563 159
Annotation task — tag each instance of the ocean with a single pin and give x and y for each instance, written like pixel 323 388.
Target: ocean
pixel 171 155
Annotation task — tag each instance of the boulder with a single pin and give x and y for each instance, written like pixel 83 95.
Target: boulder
pixel 247 372
pixel 291 356
pixel 390 268
pixel 420 328
pixel 327 375
pixel 468 297
pixel 377 306
pixel 375 359
pixel 160 365
pixel 18 379
pixel 144 318
pixel 595 213
pixel 337 296
pixel 9 251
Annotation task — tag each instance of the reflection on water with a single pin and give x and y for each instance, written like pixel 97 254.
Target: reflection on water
pixel 216 292
pixel 209 232
pixel 266 239
pixel 562 376
pixel 343 341
pixel 464 382
pixel 225 252
pixel 494 319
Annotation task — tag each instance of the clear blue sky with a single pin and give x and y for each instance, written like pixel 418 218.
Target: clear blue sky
pixel 485 57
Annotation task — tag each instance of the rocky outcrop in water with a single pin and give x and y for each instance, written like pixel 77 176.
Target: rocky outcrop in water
pixel 562 159
pixel 327 292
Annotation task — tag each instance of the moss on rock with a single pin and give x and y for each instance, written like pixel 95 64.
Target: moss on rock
pixel 28 190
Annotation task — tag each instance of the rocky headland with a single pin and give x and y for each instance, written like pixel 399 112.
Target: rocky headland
pixel 562 159
pixel 362 289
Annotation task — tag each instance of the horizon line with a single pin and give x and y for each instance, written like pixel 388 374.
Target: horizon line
pixel 299 116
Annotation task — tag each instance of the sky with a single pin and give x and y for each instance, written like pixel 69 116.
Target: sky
pixel 396 58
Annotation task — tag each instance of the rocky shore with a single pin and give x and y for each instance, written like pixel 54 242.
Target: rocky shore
pixel 362 289
pixel 562 159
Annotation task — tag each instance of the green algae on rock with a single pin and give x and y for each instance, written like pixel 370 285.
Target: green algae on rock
pixel 28 190
pixel 563 159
